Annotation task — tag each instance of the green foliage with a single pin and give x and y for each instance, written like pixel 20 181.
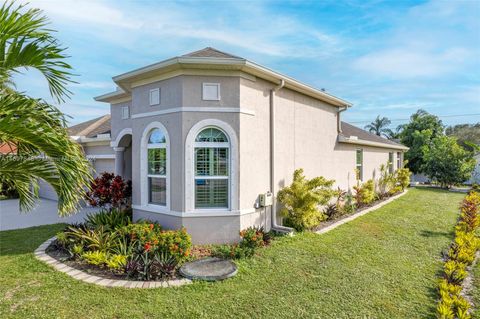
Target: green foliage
pixel 446 162
pixel 462 253
pixel 93 239
pixel 302 199
pixel 110 219
pixel 97 258
pixel 37 129
pixel 386 182
pixel 151 265
pixel 151 238
pixel 380 127
pixel 116 262
pixel 252 238
pixel 364 193
pixel 402 177
pixel 466 134
pixel 422 128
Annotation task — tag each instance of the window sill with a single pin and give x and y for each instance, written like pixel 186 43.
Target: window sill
pixel 197 213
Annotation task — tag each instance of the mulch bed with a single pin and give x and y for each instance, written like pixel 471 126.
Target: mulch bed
pixel 329 222
pixel 64 258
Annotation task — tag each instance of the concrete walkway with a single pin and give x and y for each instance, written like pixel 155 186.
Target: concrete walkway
pixel 44 213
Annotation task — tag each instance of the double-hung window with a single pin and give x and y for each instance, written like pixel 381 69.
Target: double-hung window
pixel 359 164
pixel 212 169
pixel 157 168
pixel 399 160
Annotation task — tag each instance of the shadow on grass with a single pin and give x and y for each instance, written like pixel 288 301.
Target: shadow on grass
pixel 430 233
pixel 26 240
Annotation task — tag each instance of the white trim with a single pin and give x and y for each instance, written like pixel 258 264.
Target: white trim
pixel 125 112
pixel 144 167
pixel 125 131
pixel 154 97
pixel 101 156
pixel 190 171
pixel 215 98
pixel 356 141
pixel 199 213
pixel 195 109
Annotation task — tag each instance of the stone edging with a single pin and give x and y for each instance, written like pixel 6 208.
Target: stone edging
pixel 356 215
pixel 40 254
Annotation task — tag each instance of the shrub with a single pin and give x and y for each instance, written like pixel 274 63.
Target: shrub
pixel 151 265
pixel 110 219
pixel 151 237
pixel 97 258
pixel 339 207
pixel 365 193
pixel 301 200
pixel 234 251
pixel 402 177
pixel 252 237
pixel 109 191
pixel 116 262
pixel 93 239
pixel 386 182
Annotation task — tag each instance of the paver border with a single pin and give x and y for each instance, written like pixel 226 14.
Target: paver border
pixel 41 255
pixel 356 215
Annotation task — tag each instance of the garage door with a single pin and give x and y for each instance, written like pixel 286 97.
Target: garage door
pixel 46 191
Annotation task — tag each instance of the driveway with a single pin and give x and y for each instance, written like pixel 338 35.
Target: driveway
pixel 43 214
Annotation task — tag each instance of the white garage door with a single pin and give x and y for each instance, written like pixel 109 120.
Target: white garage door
pixel 46 191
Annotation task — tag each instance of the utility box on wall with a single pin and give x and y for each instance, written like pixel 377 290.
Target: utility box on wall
pixel 266 199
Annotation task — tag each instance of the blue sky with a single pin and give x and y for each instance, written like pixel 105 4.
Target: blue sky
pixel 386 57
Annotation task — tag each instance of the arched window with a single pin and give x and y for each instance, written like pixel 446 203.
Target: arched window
pixel 157 167
pixel 212 169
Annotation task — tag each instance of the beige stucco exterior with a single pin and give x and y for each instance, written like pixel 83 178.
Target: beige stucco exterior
pixel 306 137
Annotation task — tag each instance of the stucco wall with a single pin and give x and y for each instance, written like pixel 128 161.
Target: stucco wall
pixel 104 149
pixel 306 137
pixel 117 123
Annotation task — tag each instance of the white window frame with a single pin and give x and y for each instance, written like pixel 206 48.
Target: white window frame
pixel 151 99
pixel 391 164
pixel 216 98
pixel 190 167
pixel 144 191
pixel 399 160
pixel 125 112
pixel 210 145
pixel 359 165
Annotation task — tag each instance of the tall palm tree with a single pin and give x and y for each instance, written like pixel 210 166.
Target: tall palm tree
pixel 380 127
pixel 37 129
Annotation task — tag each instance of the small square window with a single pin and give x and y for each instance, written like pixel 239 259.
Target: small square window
pixel 125 112
pixel 155 96
pixel 211 92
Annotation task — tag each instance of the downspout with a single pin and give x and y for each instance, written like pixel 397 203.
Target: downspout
pixel 339 121
pixel 273 209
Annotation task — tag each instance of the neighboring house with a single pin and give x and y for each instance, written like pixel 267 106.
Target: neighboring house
pixel 203 135
pixel 94 137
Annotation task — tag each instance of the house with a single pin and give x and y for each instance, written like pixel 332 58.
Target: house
pixel 475 179
pixel 207 137
pixel 94 137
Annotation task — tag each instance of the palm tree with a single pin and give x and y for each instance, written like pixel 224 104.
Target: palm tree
pixel 36 128
pixel 380 127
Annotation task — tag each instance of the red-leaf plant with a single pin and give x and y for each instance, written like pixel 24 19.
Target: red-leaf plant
pixel 110 191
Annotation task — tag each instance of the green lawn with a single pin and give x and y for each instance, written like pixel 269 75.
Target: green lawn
pixel 475 292
pixel 382 265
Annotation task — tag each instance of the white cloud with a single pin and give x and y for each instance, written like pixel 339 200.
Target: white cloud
pixel 411 62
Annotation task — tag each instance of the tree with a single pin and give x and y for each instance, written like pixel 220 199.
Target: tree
pixel 36 128
pixel 468 135
pixel 447 162
pixel 380 127
pixel 422 128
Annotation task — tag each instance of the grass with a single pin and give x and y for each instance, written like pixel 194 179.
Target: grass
pixel 382 265
pixel 475 292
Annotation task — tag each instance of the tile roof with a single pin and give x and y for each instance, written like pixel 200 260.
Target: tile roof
pixel 210 52
pixel 350 130
pixel 92 128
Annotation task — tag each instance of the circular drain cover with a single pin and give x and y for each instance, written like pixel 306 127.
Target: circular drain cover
pixel 209 269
